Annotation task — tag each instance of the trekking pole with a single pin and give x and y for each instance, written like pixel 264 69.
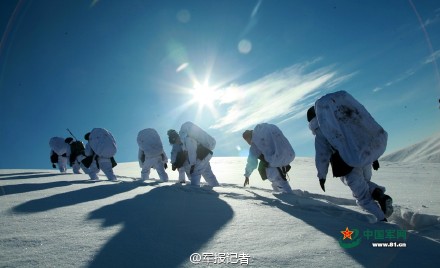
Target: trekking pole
pixel 71 134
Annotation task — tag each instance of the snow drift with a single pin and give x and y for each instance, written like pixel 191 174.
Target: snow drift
pixel 426 151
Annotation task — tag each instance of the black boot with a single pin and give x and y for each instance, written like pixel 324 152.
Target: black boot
pixel 386 204
pixel 385 201
pixel 377 194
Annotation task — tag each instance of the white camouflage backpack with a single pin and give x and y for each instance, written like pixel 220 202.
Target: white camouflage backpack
pixel 191 130
pixel 58 145
pixel 275 147
pixel 102 142
pixel 350 129
pixel 149 141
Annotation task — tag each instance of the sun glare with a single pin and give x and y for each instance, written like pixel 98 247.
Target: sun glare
pixel 204 95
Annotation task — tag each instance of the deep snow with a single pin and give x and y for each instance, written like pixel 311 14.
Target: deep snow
pixel 53 220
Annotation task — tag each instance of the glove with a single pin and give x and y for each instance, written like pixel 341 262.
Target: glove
pixel 53 165
pixel 191 169
pixel 165 166
pixel 376 165
pixel 322 183
pixel 246 181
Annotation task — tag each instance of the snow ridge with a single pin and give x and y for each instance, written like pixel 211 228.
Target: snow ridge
pixel 426 151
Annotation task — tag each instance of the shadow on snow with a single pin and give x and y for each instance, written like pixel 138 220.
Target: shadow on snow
pixel 27 175
pixel 30 187
pixel 331 220
pixel 74 197
pixel 162 227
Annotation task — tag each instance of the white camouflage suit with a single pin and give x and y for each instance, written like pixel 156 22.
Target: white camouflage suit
pixel 59 147
pixel 358 180
pixel 273 175
pixel 201 167
pixel 104 163
pixel 77 165
pixel 152 161
pixel 62 162
pixel 151 154
pixel 176 148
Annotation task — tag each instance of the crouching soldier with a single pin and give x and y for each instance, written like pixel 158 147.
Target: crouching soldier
pixel 198 145
pixel 351 141
pixel 151 154
pixel 270 146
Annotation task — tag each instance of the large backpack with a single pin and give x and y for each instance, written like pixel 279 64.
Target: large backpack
pixel 149 141
pixel 350 129
pixel 102 142
pixel 58 145
pixel 191 130
pixel 77 148
pixel 275 147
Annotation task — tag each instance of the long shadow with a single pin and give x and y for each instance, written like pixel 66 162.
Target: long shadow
pixel 22 173
pixel 335 200
pixel 74 197
pixel 162 227
pixel 29 176
pixel 331 220
pixel 30 187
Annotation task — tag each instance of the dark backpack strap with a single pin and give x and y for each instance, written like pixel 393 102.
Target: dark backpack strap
pixel 180 159
pixel 87 162
pixel 114 164
pixel 339 167
pixel 143 157
pixel 283 171
pixel 262 167
pixel 202 152
pixel 54 158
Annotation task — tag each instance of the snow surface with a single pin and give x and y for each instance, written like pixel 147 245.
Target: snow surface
pixel 53 220
pixel 426 151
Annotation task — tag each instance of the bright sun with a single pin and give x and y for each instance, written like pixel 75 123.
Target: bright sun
pixel 204 95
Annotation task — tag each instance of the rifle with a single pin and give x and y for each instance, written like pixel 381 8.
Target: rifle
pixel 71 134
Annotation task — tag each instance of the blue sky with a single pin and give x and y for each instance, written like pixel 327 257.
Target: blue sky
pixel 225 65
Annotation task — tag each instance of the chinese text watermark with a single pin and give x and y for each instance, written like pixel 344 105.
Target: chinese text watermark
pixel 381 238
pixel 220 258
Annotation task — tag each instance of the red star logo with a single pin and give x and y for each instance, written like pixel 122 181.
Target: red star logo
pixel 347 233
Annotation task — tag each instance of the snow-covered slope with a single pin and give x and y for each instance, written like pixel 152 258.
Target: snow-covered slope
pixel 426 151
pixel 53 220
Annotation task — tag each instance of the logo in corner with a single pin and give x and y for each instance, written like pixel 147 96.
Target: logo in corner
pixel 350 238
